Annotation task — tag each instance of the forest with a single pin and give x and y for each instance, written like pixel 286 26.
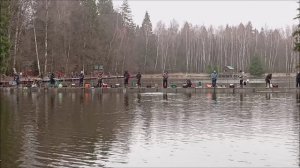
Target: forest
pixel 42 36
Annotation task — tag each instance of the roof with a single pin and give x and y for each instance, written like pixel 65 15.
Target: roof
pixel 229 67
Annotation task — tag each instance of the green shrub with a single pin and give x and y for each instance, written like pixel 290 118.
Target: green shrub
pixel 256 66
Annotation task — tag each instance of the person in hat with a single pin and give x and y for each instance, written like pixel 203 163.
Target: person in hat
pixel 165 79
pixel 214 77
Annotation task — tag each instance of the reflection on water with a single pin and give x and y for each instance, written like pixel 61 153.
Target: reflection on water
pixel 139 97
pixel 268 96
pixel 165 96
pixel 90 129
pixel 214 96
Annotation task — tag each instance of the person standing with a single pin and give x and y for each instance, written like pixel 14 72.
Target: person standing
pixel 100 79
pixel 52 80
pixel 165 79
pixel 241 76
pixel 268 80
pixel 138 77
pixel 214 77
pixel 81 78
pixel 298 80
pixel 126 78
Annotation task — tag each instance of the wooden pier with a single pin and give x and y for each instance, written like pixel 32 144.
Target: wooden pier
pixel 153 90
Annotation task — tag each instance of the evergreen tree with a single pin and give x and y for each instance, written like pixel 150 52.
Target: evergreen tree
pixel 126 15
pixel 256 66
pixel 108 26
pixel 147 34
pixel 296 35
pixel 105 7
pixel 147 25
pixel 4 39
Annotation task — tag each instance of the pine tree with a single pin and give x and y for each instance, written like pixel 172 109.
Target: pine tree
pixel 126 15
pixel 147 25
pixel 296 35
pixel 105 7
pixel 256 66
pixel 4 39
pixel 147 33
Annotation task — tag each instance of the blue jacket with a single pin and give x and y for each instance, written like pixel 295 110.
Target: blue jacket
pixel 214 76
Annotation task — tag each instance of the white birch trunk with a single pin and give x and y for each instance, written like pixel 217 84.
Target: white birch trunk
pixel 46 40
pixel 36 50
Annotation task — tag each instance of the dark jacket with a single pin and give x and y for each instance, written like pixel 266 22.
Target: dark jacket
pixel 189 83
pixel 298 77
pixel 138 76
pixel 126 75
pixel 268 77
pixel 165 76
pixel 52 80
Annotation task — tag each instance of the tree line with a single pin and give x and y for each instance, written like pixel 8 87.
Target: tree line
pixel 68 36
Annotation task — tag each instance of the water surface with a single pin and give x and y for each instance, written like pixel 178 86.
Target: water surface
pixel 89 129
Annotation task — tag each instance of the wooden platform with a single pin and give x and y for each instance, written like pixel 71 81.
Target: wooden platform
pixel 151 90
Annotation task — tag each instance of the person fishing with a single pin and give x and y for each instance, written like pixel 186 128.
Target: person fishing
pixel 242 76
pixel 126 78
pixel 81 78
pixel 214 77
pixel 52 80
pixel 138 77
pixel 165 79
pixel 298 80
pixel 188 84
pixel 100 78
pixel 17 79
pixel 268 80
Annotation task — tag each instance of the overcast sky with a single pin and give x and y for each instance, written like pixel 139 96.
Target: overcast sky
pixel 273 14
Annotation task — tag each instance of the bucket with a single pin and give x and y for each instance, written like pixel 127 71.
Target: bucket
pixel 87 85
pixel 133 83
pixel 104 85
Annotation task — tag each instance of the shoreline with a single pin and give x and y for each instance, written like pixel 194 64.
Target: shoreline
pixel 207 76
pixel 152 90
pixel 182 76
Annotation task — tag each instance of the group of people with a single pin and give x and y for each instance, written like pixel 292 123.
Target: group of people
pixel 52 79
pixel 214 76
pixel 165 77
pixel 127 76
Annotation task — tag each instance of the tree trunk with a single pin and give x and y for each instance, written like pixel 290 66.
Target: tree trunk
pixel 36 50
pixel 146 46
pixel 16 39
pixel 67 61
pixel 46 39
pixel 157 50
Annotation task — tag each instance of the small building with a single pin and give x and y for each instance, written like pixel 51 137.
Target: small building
pixel 228 72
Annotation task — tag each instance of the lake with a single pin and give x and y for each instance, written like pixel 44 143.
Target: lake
pixel 90 129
